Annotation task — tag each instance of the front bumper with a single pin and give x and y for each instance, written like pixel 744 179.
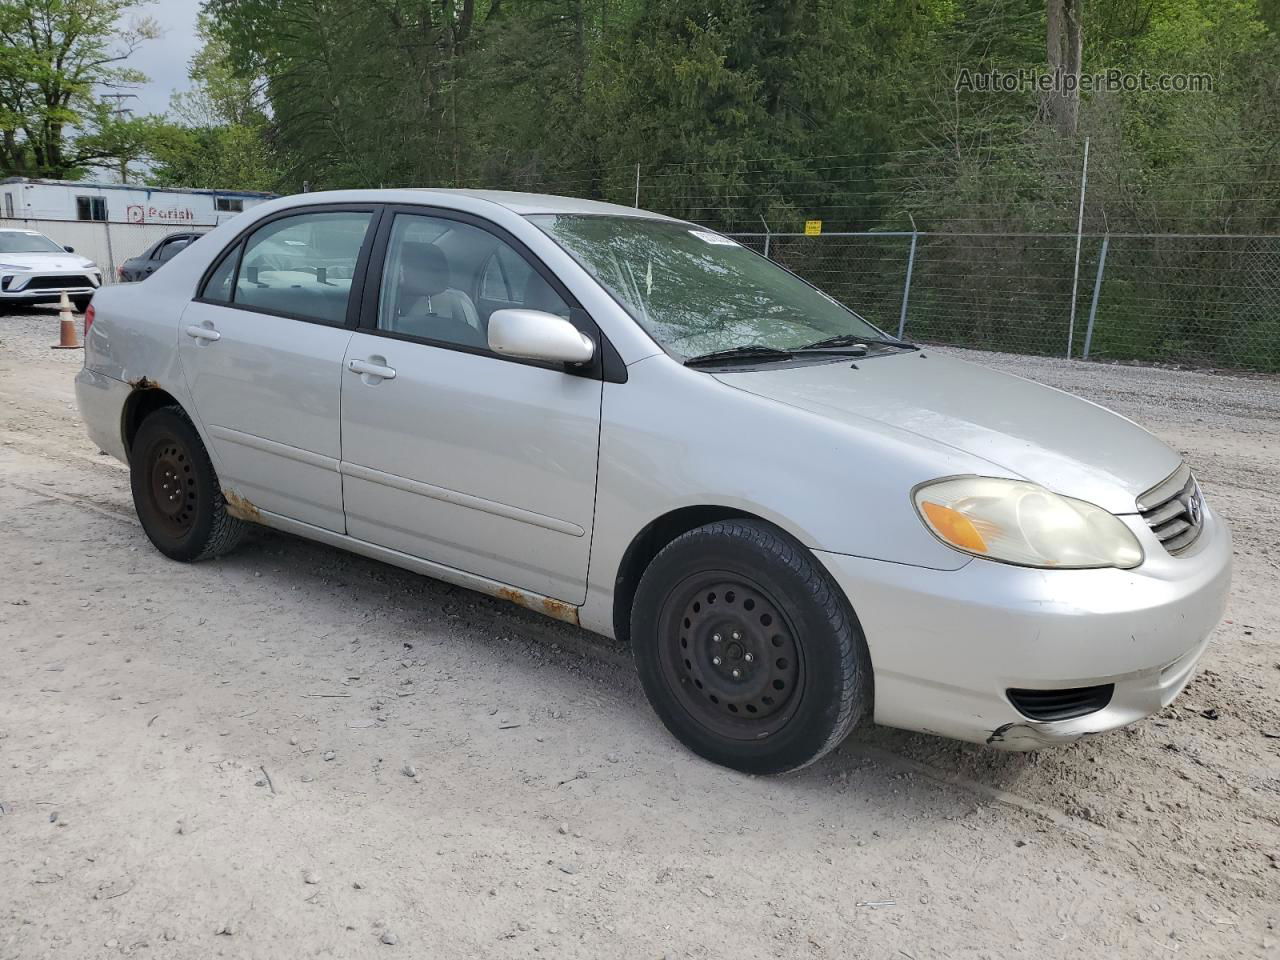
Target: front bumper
pixel 946 645
pixel 44 296
pixel 49 286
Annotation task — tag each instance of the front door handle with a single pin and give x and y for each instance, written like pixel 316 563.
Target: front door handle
pixel 372 369
pixel 208 334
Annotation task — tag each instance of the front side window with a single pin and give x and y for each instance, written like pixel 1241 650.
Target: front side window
pixel 302 266
pixel 505 276
pixel 698 292
pixel 443 278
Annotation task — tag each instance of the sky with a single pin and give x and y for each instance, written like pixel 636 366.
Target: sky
pixel 164 60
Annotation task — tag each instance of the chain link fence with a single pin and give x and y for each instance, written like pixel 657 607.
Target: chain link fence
pixel 1197 300
pixel 1065 247
pixel 1060 288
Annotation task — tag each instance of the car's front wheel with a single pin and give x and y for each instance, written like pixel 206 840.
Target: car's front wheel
pixel 747 649
pixel 81 304
pixel 176 491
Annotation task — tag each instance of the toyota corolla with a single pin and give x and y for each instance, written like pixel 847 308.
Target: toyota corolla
pixel 635 424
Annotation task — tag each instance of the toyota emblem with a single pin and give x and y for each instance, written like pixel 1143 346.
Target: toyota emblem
pixel 1194 505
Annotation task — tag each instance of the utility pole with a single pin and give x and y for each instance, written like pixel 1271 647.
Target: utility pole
pixel 1075 277
pixel 120 111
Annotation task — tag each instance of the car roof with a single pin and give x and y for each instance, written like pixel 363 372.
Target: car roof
pixel 530 204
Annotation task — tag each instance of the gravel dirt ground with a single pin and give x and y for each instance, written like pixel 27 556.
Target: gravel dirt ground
pixel 294 752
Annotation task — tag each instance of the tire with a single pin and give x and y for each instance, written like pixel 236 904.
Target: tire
pixel 81 304
pixel 176 492
pixel 804 674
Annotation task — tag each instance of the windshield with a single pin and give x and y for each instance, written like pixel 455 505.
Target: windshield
pixel 19 241
pixel 698 292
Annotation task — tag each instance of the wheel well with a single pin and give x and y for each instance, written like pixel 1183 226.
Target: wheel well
pixel 141 403
pixel 647 544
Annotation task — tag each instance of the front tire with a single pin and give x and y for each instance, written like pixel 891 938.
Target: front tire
pixel 176 492
pixel 747 650
pixel 81 304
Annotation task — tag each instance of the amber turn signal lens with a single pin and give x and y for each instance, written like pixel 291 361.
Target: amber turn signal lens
pixel 954 527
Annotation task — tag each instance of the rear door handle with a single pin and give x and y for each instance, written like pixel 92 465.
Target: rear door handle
pixel 371 369
pixel 203 333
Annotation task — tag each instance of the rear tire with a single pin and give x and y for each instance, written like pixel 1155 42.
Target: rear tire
pixel 747 650
pixel 176 492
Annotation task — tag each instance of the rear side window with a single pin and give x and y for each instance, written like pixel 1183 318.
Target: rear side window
pixel 171 247
pixel 299 266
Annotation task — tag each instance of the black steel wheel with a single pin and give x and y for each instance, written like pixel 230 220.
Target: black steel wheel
pixel 176 491
pixel 747 650
pixel 729 652
pixel 171 486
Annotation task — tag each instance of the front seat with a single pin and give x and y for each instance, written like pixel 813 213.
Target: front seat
pixel 427 306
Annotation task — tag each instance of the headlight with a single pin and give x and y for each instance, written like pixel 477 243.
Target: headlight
pixel 13 266
pixel 1022 523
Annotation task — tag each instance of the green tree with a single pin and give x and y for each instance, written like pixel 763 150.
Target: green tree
pixel 57 60
pixel 705 89
pixel 361 94
pixel 218 134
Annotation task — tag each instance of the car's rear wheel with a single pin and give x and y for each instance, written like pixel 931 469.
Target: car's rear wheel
pixel 747 650
pixel 176 491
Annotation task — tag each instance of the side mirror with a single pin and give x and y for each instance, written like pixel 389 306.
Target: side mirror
pixel 69 249
pixel 534 335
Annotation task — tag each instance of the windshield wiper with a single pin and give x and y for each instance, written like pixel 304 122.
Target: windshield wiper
pixel 757 351
pixel 749 351
pixel 853 340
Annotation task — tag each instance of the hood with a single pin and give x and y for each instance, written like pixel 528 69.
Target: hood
pixel 47 261
pixel 1069 445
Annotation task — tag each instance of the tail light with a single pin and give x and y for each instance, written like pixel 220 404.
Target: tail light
pixel 88 319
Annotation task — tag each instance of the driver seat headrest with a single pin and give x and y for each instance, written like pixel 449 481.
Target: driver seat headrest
pixel 425 269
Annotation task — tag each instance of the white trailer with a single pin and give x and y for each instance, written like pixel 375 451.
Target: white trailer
pixel 26 199
pixel 111 222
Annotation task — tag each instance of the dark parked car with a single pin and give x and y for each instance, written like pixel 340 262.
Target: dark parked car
pixel 151 259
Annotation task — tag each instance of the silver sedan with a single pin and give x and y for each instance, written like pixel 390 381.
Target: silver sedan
pixel 637 425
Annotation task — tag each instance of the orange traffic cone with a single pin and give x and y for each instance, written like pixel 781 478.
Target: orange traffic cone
pixel 67 337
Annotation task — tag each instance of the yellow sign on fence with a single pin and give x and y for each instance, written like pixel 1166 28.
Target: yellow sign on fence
pixel 812 228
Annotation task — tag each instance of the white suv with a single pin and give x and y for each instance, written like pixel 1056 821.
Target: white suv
pixel 34 269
